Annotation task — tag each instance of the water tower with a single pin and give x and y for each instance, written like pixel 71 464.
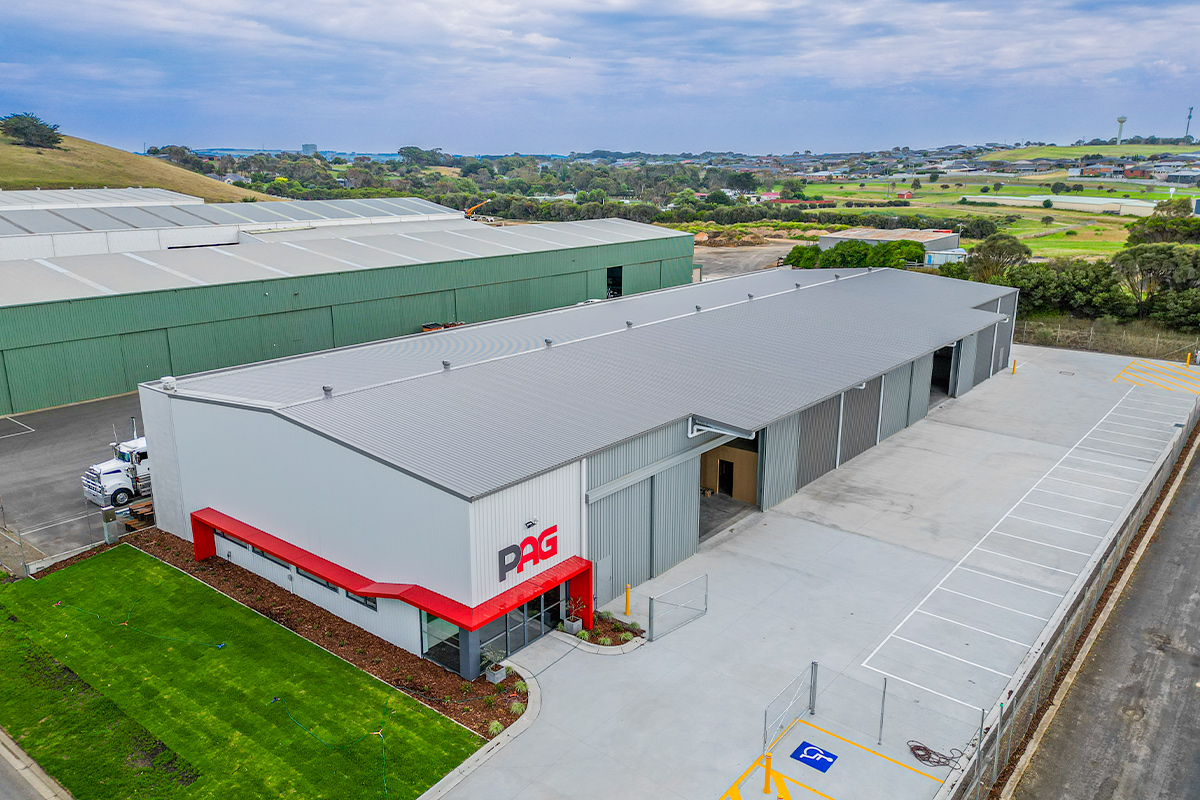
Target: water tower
pixel 1120 128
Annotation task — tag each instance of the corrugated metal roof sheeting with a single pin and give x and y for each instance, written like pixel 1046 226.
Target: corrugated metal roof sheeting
pixel 93 198
pixel 479 428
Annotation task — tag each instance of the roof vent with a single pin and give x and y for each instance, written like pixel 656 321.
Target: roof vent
pixel 446 366
pixel 628 323
pixel 328 390
pixel 837 277
pixel 797 286
pixel 549 343
pixel 168 383
pixel 697 309
pixel 749 296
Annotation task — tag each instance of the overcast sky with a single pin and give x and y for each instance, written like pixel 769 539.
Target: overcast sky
pixel 538 76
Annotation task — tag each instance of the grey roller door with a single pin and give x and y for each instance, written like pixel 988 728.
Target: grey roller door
pixel 778 460
pixel 676 523
pixel 894 411
pixel 922 377
pixel 619 529
pixel 983 354
pixel 818 440
pixel 964 371
pixel 860 420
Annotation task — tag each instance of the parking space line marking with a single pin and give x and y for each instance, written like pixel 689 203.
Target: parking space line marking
pixel 783 733
pixel 869 750
pixel 1043 544
pixel 1145 419
pixel 1080 499
pixel 1072 513
pixel 55 524
pixel 1027 561
pixel 1167 374
pixel 1014 583
pixel 972 706
pixel 735 790
pixel 1168 383
pixel 1141 428
pixel 1126 444
pixel 956 658
pixel 1100 474
pixel 1110 464
pixel 1135 436
pixel 18 433
pixel 1135 377
pixel 990 603
pixel 1151 411
pixel 1121 455
pixel 978 544
pixel 1088 485
pixel 790 779
pixel 1057 527
pixel 1137 398
pixel 973 628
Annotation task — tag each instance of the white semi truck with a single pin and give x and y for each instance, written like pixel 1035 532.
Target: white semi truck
pixel 123 477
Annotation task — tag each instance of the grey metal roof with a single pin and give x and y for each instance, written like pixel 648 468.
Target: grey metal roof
pixel 92 198
pixel 306 252
pixel 510 407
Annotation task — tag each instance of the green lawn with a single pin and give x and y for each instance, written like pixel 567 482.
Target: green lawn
pixel 1055 151
pixel 154 708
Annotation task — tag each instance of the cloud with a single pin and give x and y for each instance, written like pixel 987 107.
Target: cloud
pixel 497 71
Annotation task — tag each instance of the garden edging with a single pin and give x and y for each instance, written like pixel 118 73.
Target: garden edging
pixel 600 649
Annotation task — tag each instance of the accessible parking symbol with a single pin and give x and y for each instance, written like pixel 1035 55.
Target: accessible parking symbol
pixel 816 757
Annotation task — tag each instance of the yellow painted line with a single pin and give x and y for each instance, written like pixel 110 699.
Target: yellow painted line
pixel 1178 369
pixel 869 750
pixel 801 785
pixel 735 793
pixel 1188 380
pixel 783 734
pixel 1170 384
pixel 1139 378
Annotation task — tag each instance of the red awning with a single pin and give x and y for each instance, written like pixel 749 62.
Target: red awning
pixel 425 599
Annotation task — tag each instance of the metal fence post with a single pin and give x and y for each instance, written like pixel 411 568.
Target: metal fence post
pixel 812 689
pixel 979 749
pixel 882 705
pixel 651 631
pixel 999 734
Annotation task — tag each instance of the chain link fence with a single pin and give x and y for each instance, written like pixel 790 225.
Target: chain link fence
pixel 1005 726
pixel 679 606
pixel 1105 337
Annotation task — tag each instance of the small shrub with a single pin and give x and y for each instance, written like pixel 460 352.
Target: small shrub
pixel 626 637
pixel 495 728
pixel 509 672
pixel 605 615
pixel 466 688
pixel 522 687
pixel 517 708
pixel 604 640
pixel 488 702
pixel 584 636
pixel 1071 233
pixel 561 627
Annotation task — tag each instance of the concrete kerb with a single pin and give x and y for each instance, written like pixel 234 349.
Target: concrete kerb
pixel 1150 490
pixel 533 707
pixel 29 769
pixel 1014 778
pixel 600 649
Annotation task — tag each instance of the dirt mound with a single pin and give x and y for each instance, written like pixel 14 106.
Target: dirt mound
pixel 729 238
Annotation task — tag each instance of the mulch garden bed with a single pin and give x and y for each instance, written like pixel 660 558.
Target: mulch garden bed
pixel 473 704
pixel 607 629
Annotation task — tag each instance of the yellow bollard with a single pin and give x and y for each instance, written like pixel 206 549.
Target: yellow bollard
pixel 1014 366
pixel 1189 360
pixel 627 591
pixel 767 777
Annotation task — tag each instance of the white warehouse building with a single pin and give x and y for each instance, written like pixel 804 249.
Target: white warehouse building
pixel 459 492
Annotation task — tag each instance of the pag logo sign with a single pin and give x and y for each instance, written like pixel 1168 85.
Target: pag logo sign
pixel 530 551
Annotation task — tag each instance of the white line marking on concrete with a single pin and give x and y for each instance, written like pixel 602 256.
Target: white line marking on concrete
pixel 1126 444
pixel 1140 427
pixel 55 524
pixel 971 706
pixel 1088 485
pixel 1080 499
pixel 1101 474
pixel 1057 527
pixel 18 433
pixel 1014 583
pixel 1121 455
pixel 1035 541
pixel 1149 411
pixel 1072 513
pixel 990 603
pixel 956 658
pixel 1143 419
pixel 973 628
pixel 1110 464
pixel 1027 561
pixel 1136 398
pixel 1135 436
pixel 980 542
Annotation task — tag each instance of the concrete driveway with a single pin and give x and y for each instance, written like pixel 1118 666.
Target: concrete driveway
pixel 833 575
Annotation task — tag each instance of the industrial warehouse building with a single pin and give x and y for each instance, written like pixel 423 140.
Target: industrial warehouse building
pixel 933 240
pixel 97 295
pixel 457 492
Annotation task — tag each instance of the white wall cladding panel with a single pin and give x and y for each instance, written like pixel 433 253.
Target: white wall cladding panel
pixel 676 523
pixel 818 440
pixel 619 530
pixel 922 378
pixel 1004 332
pixel 79 244
pixel 964 372
pixel 394 620
pixel 323 497
pixel 778 460
pixel 860 420
pixel 984 354
pixel 897 385
pixel 498 521
pixel 133 241
pixel 13 248
pixel 624 458
pixel 159 428
pixel 192 237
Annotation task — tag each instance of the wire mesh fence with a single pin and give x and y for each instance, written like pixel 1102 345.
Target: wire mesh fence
pixel 1106 337
pixel 1005 726
pixel 793 700
pixel 679 606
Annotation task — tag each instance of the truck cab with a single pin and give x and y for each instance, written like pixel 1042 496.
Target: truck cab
pixel 123 477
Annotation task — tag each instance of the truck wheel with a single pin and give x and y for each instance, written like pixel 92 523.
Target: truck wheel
pixel 121 497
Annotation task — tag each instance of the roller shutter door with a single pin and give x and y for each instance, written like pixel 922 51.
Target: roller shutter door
pixel 779 460
pixel 818 440
pixel 897 385
pixel 860 420
pixel 922 377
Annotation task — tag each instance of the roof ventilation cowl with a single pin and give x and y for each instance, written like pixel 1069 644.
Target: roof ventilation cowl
pixel 168 383
pixel 328 392
pixel 549 343
pixel 446 366
pixel 697 309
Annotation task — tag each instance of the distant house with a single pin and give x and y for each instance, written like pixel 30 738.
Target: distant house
pixel 233 177
pixel 906 194
pixel 766 197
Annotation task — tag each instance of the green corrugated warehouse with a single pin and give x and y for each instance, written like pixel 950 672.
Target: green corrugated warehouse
pixel 80 327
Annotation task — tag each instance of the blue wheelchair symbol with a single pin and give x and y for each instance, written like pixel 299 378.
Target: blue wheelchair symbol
pixel 815 757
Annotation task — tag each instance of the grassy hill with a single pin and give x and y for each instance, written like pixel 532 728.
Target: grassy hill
pixel 84 164
pixel 1050 151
